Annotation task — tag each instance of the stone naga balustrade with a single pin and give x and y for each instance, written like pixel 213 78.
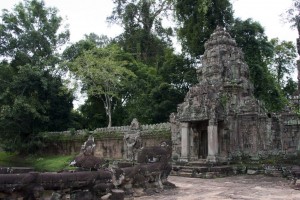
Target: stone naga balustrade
pixel 32 185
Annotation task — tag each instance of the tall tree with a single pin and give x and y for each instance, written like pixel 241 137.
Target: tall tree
pixel 90 41
pixel 282 63
pixel 250 36
pixel 293 15
pixel 198 19
pixel 144 36
pixel 103 75
pixel 162 76
pixel 30 33
pixel 33 97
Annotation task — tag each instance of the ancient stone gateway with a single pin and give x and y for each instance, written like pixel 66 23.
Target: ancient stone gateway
pixel 220 116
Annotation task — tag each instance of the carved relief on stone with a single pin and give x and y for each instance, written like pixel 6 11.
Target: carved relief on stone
pixel 132 141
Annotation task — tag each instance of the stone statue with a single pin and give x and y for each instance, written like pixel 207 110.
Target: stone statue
pixel 132 141
pixel 132 147
pixel 86 158
pixel 88 148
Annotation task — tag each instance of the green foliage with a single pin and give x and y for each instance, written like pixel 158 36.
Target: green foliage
pixel 50 163
pixel 293 15
pixel 39 163
pixel 31 102
pixel 93 113
pixel 250 36
pixel 162 77
pixel 290 88
pixel 103 73
pixel 144 36
pixel 178 71
pixel 89 42
pixel 8 159
pixel 156 92
pixel 33 97
pixel 282 64
pixel 198 19
pixel 151 99
pixel 139 103
pixel 30 33
pixel 108 135
pixel 59 136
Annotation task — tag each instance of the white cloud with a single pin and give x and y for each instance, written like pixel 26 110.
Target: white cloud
pixel 267 13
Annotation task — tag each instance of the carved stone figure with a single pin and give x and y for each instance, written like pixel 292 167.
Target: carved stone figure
pixel 132 141
pixel 86 158
pixel 88 148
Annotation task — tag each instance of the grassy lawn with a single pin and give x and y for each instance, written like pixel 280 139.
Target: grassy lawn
pixel 39 163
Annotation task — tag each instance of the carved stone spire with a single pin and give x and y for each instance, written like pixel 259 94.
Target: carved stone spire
pixel 223 81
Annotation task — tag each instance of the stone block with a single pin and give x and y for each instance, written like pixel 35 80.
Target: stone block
pixel 252 171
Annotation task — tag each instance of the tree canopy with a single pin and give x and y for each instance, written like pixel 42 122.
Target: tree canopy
pixel 198 19
pixel 144 35
pixel 103 74
pixel 33 97
pixel 282 63
pixel 250 36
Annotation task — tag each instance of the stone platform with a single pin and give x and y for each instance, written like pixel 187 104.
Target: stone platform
pixel 201 169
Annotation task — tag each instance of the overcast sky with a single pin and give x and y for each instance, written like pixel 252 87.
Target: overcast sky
pixel 89 16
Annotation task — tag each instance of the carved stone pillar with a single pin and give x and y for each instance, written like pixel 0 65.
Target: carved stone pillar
pixel 213 143
pixel 185 141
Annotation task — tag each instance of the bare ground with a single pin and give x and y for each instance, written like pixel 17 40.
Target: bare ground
pixel 246 187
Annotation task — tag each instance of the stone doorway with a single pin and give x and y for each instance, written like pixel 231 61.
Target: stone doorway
pixel 203 144
pixel 200 139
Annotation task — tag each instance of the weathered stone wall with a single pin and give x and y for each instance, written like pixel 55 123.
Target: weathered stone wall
pixel 109 148
pixel 261 135
pixel 290 133
pixel 109 141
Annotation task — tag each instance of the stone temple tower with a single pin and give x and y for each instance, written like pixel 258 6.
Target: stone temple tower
pixel 209 116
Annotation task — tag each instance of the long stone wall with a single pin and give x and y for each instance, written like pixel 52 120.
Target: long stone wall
pixel 109 141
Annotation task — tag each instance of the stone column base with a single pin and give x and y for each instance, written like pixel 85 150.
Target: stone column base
pixel 184 159
pixel 212 159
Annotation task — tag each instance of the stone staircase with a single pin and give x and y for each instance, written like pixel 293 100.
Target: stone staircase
pixel 201 169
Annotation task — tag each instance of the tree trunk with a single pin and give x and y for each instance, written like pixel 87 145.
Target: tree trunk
pixel 109 120
pixel 107 105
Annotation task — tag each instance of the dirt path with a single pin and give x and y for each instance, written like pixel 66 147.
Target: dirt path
pixel 245 187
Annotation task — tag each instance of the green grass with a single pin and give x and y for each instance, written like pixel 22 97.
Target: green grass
pixel 11 159
pixel 39 163
pixel 50 163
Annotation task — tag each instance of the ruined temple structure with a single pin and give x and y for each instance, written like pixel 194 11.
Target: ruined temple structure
pixel 220 116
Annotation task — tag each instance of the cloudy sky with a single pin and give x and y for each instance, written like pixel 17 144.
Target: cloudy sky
pixel 89 16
